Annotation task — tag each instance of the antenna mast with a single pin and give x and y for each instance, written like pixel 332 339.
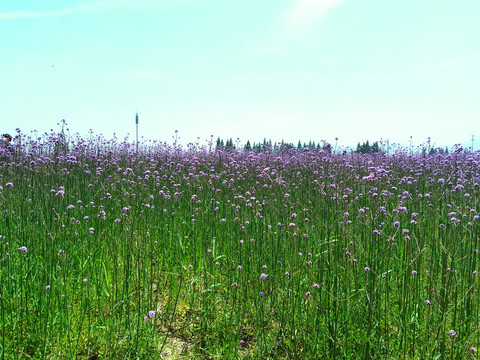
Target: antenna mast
pixel 136 123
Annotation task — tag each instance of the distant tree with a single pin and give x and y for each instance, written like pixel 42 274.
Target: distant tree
pixel 299 145
pixel 264 145
pixel 229 144
pixel 327 147
pixel 248 147
pixel 285 146
pixel 366 148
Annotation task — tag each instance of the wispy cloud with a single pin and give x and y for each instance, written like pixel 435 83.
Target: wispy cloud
pixel 305 12
pixel 86 7
pixel 295 26
pixel 34 14
pixel 457 61
pixel 90 6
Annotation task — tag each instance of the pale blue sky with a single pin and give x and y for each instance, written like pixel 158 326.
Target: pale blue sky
pixel 252 69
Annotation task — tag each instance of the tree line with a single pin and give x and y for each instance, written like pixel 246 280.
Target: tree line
pixel 267 146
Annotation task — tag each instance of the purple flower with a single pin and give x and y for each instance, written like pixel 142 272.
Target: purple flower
pixel 263 276
pixel 260 293
pixel 396 224
pixel 91 230
pixel 308 293
pixel 9 184
pixel 316 286
pixel 70 207
pixel 367 268
pixel 452 332
pixel 85 280
pixel 23 248
pixel 414 272
pixel 190 267
pixel 151 313
pixel 235 284
pixel 427 302
pixel 47 287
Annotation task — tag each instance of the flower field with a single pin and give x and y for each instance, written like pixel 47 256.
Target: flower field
pixel 109 251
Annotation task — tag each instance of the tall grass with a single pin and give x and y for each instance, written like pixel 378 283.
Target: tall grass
pixel 112 252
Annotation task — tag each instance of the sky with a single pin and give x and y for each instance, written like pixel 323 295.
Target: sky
pixel 309 70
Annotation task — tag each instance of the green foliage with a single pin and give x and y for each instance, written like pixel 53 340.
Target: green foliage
pixel 366 148
pixel 231 254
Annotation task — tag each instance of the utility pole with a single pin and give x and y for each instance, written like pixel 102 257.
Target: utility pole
pixel 472 143
pixel 136 123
